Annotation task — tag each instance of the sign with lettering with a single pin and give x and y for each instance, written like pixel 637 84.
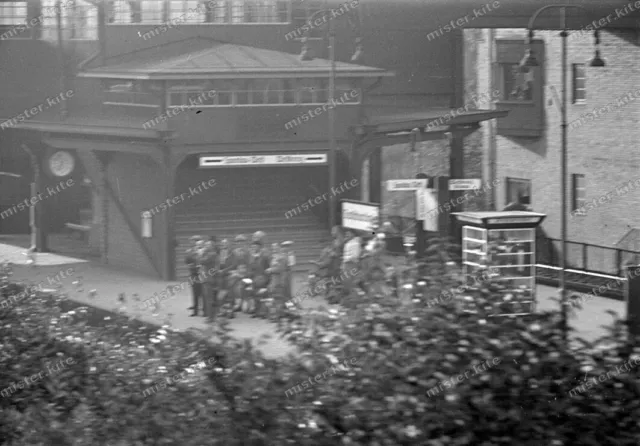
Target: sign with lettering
pixel 399 185
pixel 263 160
pixel 516 220
pixel 360 216
pixel 466 184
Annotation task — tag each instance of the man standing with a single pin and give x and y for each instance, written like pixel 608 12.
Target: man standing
pixel 192 262
pixel 351 261
pixel 209 263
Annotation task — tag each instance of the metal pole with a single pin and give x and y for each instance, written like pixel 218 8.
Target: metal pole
pixel 563 290
pixel 332 117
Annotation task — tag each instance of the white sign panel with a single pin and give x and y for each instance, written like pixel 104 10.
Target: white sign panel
pixel 467 184
pixel 360 216
pixel 263 160
pixel 430 220
pixel 398 185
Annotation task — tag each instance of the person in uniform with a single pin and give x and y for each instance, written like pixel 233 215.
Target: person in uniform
pixel 290 263
pixel 208 266
pixel 239 271
pixel 258 265
pixel 276 271
pixel 225 265
pixel 191 260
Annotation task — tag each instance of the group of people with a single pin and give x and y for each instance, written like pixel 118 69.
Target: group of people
pixel 243 274
pixel 240 274
pixel 358 261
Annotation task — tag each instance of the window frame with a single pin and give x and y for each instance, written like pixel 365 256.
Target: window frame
pixel 502 83
pixel 295 91
pixel 574 78
pixel 578 204
pixel 136 89
pixel 522 181
pixel 228 7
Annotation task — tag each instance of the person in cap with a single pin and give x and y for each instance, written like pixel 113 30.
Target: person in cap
pixel 290 256
pixel 226 264
pixel 258 265
pixel 277 272
pixel 209 266
pixel 241 250
pixel 191 259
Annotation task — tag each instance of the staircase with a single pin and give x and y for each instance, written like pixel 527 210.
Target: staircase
pixel 246 205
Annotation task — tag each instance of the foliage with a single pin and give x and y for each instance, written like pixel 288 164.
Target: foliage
pixel 402 351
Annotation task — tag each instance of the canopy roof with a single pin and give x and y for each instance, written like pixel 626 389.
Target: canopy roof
pixel 209 59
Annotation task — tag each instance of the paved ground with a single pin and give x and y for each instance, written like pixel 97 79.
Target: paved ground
pixel 79 277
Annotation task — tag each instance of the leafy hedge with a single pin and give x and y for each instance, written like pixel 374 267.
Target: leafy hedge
pixel 402 352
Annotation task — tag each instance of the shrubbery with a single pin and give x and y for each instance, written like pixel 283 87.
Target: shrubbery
pixel 403 352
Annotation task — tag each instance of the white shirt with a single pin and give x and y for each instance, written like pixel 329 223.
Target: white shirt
pixel 352 250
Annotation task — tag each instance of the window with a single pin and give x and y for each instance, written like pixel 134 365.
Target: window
pixel 218 12
pixel 579 83
pixel 579 199
pixel 516 85
pixel 518 191
pixel 79 20
pixel 255 11
pixel 119 12
pixel 151 11
pixel 129 94
pixel 13 13
pixel 258 92
pixel 189 11
pixel 301 13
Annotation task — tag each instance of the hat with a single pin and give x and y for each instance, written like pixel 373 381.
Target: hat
pixel 195 238
pixel 258 236
pixel 240 238
pixel 286 244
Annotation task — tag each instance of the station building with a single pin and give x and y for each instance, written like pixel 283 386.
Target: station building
pixel 144 103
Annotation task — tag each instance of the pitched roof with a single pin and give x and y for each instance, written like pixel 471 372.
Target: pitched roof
pixel 200 58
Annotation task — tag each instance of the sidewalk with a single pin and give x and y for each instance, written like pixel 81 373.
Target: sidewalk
pixel 109 281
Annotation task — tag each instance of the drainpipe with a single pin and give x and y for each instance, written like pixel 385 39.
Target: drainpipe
pixel 491 126
pixel 64 110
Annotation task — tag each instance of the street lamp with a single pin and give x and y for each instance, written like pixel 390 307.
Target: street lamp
pixel 527 62
pixel 307 55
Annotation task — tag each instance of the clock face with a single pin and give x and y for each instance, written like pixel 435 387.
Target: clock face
pixel 61 163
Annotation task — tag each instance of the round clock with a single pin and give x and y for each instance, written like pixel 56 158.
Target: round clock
pixel 61 163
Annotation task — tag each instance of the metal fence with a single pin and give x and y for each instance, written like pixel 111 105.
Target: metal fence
pixel 588 257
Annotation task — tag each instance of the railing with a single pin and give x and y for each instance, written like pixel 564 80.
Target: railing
pixel 588 257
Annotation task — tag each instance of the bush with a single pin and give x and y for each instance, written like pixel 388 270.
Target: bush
pixel 393 391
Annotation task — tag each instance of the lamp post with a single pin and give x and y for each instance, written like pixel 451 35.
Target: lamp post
pixel 528 62
pixel 307 55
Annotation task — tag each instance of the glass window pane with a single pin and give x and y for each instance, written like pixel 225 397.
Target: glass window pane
pixel 13 13
pixel 151 11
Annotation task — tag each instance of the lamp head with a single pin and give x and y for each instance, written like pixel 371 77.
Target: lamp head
pixel 528 61
pixel 597 61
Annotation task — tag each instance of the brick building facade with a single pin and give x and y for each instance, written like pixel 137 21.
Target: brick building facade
pixel 524 149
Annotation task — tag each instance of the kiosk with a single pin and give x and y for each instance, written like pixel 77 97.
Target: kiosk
pixel 500 247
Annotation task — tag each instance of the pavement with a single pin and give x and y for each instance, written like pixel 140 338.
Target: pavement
pixel 92 283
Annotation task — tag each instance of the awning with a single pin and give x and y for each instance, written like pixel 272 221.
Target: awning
pixel 210 59
pixel 429 119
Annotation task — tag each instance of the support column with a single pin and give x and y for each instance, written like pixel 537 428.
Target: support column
pixel 169 270
pixel 456 145
pixel 375 176
pixel 103 162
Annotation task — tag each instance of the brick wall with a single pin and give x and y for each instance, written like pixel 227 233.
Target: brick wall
pixel 604 149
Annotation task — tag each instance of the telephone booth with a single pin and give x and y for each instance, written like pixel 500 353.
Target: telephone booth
pixel 500 248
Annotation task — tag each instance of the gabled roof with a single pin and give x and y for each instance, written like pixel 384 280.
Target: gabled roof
pixel 204 58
